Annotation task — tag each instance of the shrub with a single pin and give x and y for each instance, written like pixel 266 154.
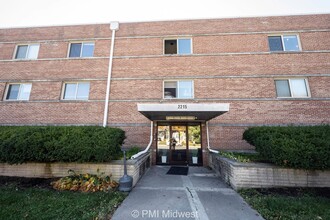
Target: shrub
pixel 242 157
pixel 59 144
pixel 298 147
pixel 133 150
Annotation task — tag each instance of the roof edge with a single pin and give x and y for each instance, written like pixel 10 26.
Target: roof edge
pixel 166 20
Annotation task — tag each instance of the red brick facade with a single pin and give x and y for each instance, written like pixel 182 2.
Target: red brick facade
pixel 230 63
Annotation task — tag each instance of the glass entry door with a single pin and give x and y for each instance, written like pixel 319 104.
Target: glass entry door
pixel 179 144
pixel 194 145
pixel 163 145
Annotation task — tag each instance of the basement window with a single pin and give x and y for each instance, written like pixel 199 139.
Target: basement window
pixel 177 46
pixel 76 91
pixel 85 49
pixel 18 91
pixel 292 88
pixel 182 89
pixel 28 51
pixel 283 43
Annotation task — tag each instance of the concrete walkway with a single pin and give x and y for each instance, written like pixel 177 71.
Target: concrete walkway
pixel 200 195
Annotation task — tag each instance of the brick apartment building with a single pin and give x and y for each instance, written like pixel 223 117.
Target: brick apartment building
pixel 200 82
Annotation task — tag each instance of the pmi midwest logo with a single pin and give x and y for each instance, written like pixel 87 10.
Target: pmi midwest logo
pixel 163 214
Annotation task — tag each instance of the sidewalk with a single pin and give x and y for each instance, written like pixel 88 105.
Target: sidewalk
pixel 199 195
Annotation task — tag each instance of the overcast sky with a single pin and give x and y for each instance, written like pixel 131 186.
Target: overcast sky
pixel 21 13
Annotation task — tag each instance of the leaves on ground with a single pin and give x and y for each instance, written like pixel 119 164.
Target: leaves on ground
pixel 85 182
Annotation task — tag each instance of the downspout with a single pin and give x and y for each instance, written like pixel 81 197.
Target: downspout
pixel 149 145
pixel 114 26
pixel 208 139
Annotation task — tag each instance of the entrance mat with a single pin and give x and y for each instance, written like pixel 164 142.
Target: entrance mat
pixel 178 171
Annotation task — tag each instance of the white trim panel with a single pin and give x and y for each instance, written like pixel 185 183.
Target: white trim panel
pixel 184 107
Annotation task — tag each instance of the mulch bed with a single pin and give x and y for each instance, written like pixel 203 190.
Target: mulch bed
pixel 23 182
pixel 295 192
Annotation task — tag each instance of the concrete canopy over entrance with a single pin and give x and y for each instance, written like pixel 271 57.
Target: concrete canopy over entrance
pixel 183 111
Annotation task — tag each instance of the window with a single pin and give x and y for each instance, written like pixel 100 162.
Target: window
pixel 76 91
pixel 85 49
pixel 296 88
pixel 177 46
pixel 182 89
pixel 284 43
pixel 18 91
pixel 29 51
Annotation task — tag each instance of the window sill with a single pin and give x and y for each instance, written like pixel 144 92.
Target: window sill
pixel 77 58
pixel 178 55
pixel 74 100
pixel 284 52
pixel 16 100
pixel 24 59
pixel 176 99
pixel 293 98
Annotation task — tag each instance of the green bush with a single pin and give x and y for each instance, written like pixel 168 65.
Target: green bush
pixel 133 150
pixel 242 156
pixel 59 144
pixel 298 147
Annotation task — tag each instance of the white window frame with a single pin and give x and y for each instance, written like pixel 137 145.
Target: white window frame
pixel 177 88
pixel 19 92
pixel 27 51
pixel 282 41
pixel 290 88
pixel 81 49
pixel 177 46
pixel 64 86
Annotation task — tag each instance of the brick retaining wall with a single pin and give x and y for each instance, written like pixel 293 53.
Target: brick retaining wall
pixel 135 168
pixel 261 175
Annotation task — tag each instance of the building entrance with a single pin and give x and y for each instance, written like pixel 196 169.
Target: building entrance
pixel 179 144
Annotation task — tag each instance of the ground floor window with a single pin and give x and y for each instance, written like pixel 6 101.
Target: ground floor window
pixel 76 91
pixel 18 91
pixel 295 88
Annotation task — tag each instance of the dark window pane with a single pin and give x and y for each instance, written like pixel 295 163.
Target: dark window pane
pixel 170 93
pixel 170 89
pixel 88 50
pixel 13 92
pixel 21 52
pixel 75 50
pixel 282 88
pixel 275 43
pixel 170 47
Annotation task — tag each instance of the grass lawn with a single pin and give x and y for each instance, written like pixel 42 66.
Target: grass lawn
pixel 290 203
pixel 39 201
